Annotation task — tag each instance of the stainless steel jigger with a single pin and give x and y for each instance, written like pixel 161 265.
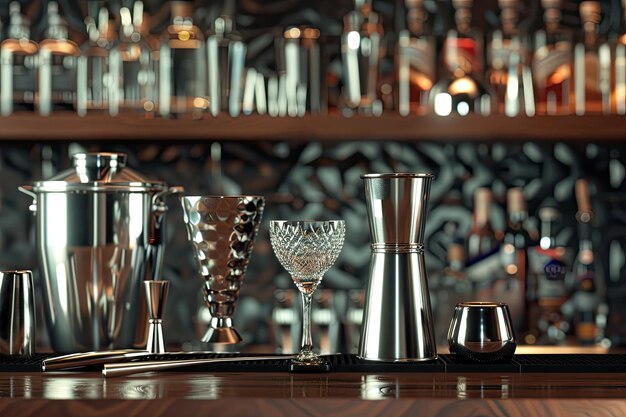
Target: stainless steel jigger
pixel 397 320
pixel 156 295
pixel 17 313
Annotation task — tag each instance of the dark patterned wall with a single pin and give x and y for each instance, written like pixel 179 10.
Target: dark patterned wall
pixel 322 181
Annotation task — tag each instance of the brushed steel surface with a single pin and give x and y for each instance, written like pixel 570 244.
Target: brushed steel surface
pixel 482 331
pixel 98 228
pixel 156 296
pixel 222 230
pixel 17 313
pixel 397 318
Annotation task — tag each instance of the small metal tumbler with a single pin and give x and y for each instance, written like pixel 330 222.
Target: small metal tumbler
pixel 156 295
pixel 17 313
pixel 482 332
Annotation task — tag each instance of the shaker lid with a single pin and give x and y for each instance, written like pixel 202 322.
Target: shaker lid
pixel 99 171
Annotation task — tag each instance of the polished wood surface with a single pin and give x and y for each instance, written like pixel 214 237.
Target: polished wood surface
pixel 70 127
pixel 332 394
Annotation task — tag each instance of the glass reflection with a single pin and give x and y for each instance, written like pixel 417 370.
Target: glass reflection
pixel 376 387
pixel 70 388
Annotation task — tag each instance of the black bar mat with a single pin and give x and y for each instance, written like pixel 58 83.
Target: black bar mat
pixel 337 363
pixel 455 365
pixel 611 362
pixel 350 363
pixel 18 363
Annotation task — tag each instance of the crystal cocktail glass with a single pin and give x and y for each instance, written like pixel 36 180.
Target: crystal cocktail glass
pixel 307 249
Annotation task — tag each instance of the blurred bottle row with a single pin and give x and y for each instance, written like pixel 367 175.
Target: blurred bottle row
pixel 556 293
pixel 335 321
pixel 187 71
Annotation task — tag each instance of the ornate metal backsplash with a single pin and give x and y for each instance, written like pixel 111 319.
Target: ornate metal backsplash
pixel 322 181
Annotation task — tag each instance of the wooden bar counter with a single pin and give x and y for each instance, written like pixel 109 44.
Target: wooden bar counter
pixel 332 394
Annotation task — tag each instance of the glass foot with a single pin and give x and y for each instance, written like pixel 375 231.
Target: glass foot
pixel 308 358
pixel 309 362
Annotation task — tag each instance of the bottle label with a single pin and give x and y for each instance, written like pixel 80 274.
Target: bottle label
pixel 555 270
pixel 462 53
pixel 548 272
pixel 420 53
pixel 586 331
pixel 552 64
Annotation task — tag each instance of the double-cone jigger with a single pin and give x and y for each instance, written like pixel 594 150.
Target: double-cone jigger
pixel 397 320
pixel 156 296
pixel 222 230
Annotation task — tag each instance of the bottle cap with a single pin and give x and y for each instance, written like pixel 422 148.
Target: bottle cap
pixel 549 214
pixel 590 11
pixel 551 4
pixel 515 200
pixel 482 205
pixel 181 9
pixel 584 213
pixel 456 253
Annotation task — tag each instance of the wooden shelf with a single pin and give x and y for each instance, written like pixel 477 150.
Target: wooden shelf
pixel 69 127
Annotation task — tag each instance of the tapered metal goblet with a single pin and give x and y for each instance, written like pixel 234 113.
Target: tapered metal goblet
pixel 222 230
pixel 307 249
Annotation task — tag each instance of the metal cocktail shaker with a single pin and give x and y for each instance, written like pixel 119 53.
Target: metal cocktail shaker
pixel 99 235
pixel 397 320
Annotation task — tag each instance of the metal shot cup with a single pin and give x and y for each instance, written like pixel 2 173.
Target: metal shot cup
pixel 482 332
pixel 17 313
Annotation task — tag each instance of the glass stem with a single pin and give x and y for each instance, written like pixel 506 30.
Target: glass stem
pixel 307 340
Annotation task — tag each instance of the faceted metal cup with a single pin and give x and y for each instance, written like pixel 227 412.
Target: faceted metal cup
pixel 17 313
pixel 482 332
pixel 397 318
pixel 222 230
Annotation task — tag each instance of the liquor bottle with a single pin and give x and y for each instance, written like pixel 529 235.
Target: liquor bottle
pixel 453 287
pixel 133 56
pixel 592 65
pixel 58 59
pixel 619 68
pixel 514 257
pixel 97 81
pixel 182 66
pixel 546 288
pixel 17 64
pixel 509 73
pixel 552 63
pixel 415 62
pixel 585 298
pixel 361 49
pixel 481 240
pixel 300 56
pixel 461 89
pixel 226 54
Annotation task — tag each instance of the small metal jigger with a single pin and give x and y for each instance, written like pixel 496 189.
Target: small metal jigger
pixel 156 295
